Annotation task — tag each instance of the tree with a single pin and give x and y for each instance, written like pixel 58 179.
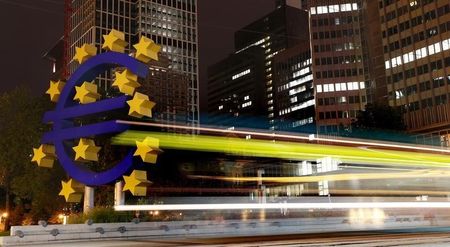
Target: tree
pixel 378 116
pixel 21 129
pixel 380 122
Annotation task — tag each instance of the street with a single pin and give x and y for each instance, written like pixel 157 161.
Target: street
pixel 360 239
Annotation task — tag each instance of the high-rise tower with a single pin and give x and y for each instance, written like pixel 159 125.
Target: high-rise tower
pixel 170 23
pixel 173 25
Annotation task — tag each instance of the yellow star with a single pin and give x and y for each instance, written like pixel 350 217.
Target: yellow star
pixel 71 190
pixel 148 150
pixel 84 52
pixel 86 93
pixel 44 156
pixel 86 150
pixel 126 82
pixel 146 50
pixel 140 106
pixel 136 183
pixel 115 41
pixel 55 90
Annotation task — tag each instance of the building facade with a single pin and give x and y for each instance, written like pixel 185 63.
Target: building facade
pixel 278 30
pixel 294 99
pixel 173 25
pixel 170 23
pixel 416 46
pixel 91 19
pixel 236 90
pixel 342 80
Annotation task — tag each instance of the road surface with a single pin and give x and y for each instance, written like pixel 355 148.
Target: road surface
pixel 358 239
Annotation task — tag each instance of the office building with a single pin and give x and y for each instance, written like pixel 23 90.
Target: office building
pixel 173 25
pixel 294 100
pixel 169 90
pixel 282 28
pixel 236 90
pixel 416 46
pixel 340 62
pixel 91 19
pixel 170 23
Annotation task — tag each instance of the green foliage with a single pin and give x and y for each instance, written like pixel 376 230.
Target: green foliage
pixel 379 122
pixel 101 215
pixel 34 189
pixel 380 117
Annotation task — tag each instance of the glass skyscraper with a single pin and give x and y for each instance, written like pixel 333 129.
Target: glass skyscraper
pixel 170 23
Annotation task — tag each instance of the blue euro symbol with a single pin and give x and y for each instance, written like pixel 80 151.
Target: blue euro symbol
pixel 66 110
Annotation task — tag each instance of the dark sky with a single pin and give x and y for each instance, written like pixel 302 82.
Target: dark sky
pixel 30 27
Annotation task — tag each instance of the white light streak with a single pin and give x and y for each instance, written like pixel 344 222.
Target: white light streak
pixel 320 205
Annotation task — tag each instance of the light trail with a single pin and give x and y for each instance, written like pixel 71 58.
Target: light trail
pixel 387 192
pixel 332 177
pixel 305 192
pixel 284 150
pixel 290 136
pixel 320 205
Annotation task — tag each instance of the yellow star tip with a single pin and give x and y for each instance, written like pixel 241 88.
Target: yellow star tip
pixel 148 150
pixel 44 156
pixel 86 150
pixel 146 50
pixel 83 53
pixel 126 81
pixel 140 106
pixel 86 93
pixel 114 41
pixel 72 190
pixel 136 183
pixel 55 90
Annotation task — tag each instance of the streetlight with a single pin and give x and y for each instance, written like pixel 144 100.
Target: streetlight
pixel 3 217
pixel 3 220
pixel 63 218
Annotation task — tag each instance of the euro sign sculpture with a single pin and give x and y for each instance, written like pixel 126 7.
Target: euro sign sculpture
pixel 67 110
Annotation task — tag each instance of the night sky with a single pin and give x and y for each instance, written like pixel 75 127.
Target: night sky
pixel 30 27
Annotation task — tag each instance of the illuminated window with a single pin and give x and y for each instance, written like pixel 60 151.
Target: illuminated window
pixel 333 8
pixel 241 74
pixel 337 21
pixel 246 104
pixel 446 44
pixel 293 100
pixel 362 85
pixel 328 88
pixel 352 85
pixel 346 7
pixel 431 50
pixel 388 64
pixel 322 10
pixel 319 88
